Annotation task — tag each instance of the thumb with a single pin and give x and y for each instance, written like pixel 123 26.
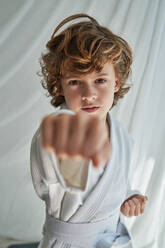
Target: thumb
pixel 145 198
pixel 142 197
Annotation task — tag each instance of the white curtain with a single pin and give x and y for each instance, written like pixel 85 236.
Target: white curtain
pixel 25 27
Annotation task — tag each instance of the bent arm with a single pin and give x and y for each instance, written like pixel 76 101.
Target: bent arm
pixel 47 169
pixel 42 171
pixel 131 192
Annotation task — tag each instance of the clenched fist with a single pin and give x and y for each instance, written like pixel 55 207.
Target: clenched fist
pixel 134 205
pixel 76 136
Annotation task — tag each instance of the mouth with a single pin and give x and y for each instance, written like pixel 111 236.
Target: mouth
pixel 90 109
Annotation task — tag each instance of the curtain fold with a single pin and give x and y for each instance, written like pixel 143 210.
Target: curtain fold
pixel 25 28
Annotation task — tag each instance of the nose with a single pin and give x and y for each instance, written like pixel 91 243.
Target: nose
pixel 88 93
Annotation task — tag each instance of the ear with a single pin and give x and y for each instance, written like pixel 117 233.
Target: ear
pixel 117 85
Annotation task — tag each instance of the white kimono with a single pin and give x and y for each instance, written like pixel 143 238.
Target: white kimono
pixel 90 217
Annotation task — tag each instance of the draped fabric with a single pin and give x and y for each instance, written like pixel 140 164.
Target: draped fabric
pixel 25 27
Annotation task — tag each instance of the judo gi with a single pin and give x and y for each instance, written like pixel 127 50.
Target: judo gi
pixel 91 217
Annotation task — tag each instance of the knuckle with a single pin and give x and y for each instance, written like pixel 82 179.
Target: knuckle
pixel 139 205
pixel 46 121
pixel 133 206
pixel 131 203
pixel 62 119
pixel 127 207
pixel 143 206
pixel 60 149
pixel 59 119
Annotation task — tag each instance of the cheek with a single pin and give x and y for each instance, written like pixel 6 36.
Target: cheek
pixel 106 94
pixel 72 99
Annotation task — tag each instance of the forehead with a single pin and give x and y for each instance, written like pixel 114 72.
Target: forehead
pixel 107 70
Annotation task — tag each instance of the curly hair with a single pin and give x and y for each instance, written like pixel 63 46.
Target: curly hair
pixel 82 48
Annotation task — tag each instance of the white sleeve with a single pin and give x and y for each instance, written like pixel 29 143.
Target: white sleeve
pixel 130 191
pixel 46 171
pixel 42 171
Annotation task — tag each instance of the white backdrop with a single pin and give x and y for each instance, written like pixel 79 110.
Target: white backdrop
pixel 25 27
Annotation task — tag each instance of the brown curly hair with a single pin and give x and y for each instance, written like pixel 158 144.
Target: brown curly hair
pixel 81 48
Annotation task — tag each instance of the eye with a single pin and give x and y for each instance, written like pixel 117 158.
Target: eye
pixel 101 80
pixel 74 82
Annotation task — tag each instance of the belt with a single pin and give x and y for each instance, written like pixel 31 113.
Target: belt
pixel 80 233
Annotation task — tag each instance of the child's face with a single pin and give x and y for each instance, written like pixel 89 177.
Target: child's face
pixel 95 89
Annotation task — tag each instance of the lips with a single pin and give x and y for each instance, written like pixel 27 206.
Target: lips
pixel 90 109
pixel 90 106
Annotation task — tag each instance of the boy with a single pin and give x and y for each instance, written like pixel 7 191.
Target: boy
pixel 85 70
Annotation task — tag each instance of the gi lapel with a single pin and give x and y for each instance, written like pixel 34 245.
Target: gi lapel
pixel 96 198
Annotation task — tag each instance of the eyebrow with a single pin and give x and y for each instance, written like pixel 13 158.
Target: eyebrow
pixel 77 75
pixel 102 74
pixel 71 76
